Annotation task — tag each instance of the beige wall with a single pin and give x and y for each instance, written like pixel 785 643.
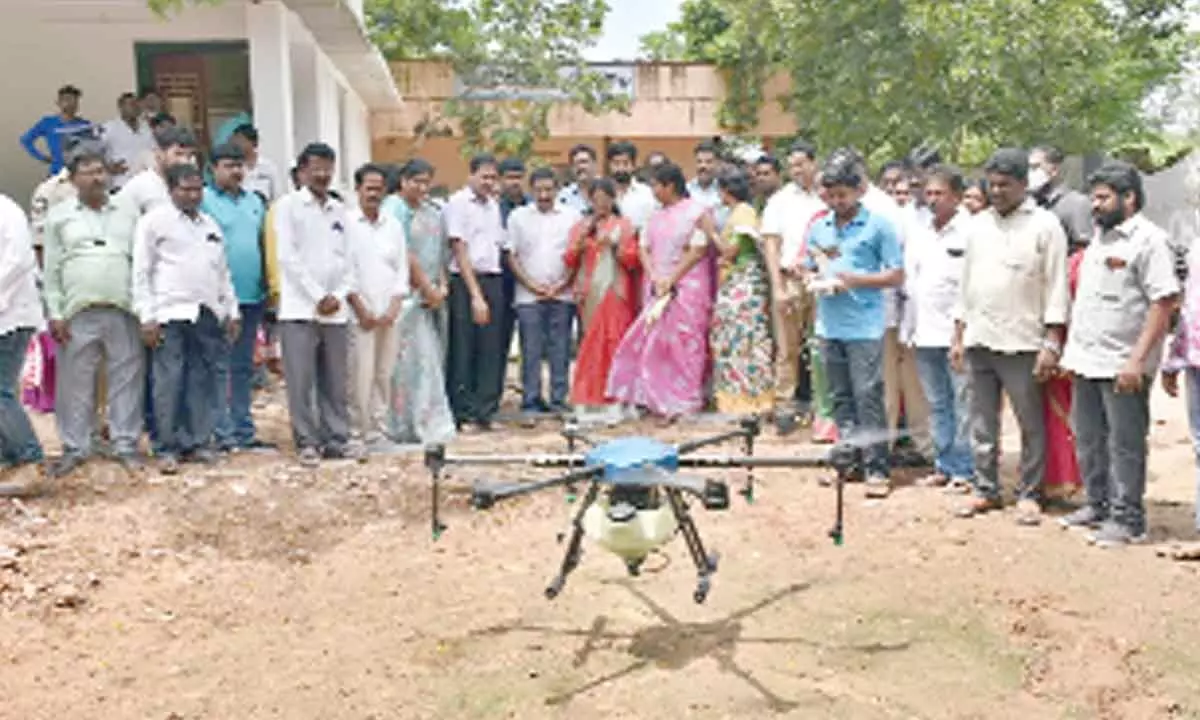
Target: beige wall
pixel 675 106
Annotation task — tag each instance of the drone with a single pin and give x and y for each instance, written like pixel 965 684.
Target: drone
pixel 636 499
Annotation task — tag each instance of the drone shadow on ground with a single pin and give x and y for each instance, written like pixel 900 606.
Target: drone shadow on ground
pixel 673 645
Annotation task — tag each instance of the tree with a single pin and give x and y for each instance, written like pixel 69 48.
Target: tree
pixel 515 60
pixel 968 75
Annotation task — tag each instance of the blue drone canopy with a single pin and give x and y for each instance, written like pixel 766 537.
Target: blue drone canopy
pixel 631 456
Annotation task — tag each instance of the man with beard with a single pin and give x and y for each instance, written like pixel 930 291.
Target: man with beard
pixel 1127 290
pixel 583 170
pixel 1071 207
pixel 634 198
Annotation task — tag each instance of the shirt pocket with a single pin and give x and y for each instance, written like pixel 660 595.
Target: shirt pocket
pixel 1116 269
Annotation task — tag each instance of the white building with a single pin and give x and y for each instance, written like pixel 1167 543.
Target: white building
pixel 303 69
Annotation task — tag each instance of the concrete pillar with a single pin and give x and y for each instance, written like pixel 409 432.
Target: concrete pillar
pixel 271 81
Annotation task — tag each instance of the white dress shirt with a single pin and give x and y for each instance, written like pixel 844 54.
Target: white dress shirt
pixel 638 204
pixel 123 143
pixel 934 262
pixel 379 251
pixel 144 192
pixel 710 196
pixel 1014 280
pixel 787 215
pixel 476 221
pixel 263 177
pixel 538 241
pixel 20 303
pixel 179 266
pixel 314 256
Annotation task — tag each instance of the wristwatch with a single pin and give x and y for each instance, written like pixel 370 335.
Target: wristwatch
pixel 1052 345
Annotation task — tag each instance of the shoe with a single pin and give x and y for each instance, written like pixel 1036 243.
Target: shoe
pixel 129 462
pixel 824 431
pixel 334 452
pixel 484 425
pixel 200 456
pixel 786 423
pixel 1085 517
pixel 24 481
pixel 254 444
pixel 958 486
pixel 66 465
pixel 309 457
pixel 1029 513
pixel 878 487
pixel 978 505
pixel 168 464
pixel 1113 534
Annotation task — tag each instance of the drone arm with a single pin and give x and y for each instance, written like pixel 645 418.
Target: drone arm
pixel 694 445
pixel 484 497
pixel 745 461
pixel 537 460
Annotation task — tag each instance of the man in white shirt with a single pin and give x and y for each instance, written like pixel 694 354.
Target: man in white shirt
pixel 785 220
pixel 477 357
pixel 583 170
pixel 634 198
pixel 183 296
pixel 933 273
pixel 143 192
pixel 148 188
pixel 261 174
pixel 21 318
pixel 1010 326
pixel 127 139
pixel 538 236
pixel 704 186
pixel 379 253
pixel 316 275
pixel 901 384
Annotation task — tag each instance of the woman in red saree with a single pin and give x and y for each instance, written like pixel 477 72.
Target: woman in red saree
pixel 603 254
pixel 1061 479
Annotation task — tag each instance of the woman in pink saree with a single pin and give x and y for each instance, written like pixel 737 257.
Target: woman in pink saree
pixel 661 363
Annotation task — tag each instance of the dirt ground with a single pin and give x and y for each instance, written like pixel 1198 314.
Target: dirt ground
pixel 260 590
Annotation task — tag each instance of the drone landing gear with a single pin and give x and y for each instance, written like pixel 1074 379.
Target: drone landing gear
pixel 706 564
pixel 574 544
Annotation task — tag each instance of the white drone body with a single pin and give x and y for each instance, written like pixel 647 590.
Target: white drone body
pixel 630 539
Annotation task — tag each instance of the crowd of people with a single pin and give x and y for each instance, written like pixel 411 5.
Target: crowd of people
pixel 891 314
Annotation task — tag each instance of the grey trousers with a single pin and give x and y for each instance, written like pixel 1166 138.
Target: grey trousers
pixel 1110 442
pixel 993 375
pixel 186 360
pixel 316 365
pixel 102 339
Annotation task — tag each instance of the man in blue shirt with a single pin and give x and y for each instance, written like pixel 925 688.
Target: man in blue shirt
pixel 53 130
pixel 853 255
pixel 240 214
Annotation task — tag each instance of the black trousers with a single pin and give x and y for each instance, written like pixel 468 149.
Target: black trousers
pixel 477 359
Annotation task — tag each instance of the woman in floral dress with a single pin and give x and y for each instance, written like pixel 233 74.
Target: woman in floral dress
pixel 743 370
pixel 420 409
pixel 603 253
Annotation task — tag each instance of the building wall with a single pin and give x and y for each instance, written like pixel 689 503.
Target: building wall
pixel 93 49
pixel 89 45
pixel 674 106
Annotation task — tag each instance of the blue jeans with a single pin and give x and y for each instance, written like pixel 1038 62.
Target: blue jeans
pixel 545 336
pixel 235 383
pixel 949 411
pixel 854 371
pixel 18 442
pixel 1193 405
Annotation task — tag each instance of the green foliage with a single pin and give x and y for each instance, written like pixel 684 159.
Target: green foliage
pixel 968 75
pixel 496 47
